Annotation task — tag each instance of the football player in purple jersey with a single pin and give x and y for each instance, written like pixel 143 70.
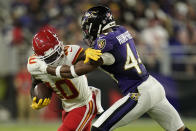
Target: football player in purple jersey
pixel 142 92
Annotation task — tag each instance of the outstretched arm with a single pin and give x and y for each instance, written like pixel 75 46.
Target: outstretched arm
pixel 79 68
pixel 82 67
pixel 93 59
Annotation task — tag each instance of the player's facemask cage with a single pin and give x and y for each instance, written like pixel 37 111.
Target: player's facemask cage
pixel 53 55
pixel 88 39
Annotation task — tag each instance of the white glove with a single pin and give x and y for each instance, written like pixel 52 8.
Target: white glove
pixel 35 66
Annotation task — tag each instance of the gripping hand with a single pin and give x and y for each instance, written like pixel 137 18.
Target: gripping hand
pixel 41 103
pixel 92 54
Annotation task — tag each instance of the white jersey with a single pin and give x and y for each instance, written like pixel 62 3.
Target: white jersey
pixel 73 92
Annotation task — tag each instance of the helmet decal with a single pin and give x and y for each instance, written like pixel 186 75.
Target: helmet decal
pixel 90 14
pixel 87 15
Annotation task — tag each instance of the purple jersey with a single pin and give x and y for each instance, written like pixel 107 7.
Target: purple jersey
pixel 128 69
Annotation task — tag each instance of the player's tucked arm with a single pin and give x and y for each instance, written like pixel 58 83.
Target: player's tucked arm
pixel 40 103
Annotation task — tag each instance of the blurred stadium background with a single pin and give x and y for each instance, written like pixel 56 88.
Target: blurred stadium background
pixel 164 33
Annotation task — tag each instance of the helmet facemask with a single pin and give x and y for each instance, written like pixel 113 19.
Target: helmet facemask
pixel 52 56
pixel 89 32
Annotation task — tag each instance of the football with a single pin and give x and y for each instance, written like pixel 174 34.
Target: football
pixel 42 91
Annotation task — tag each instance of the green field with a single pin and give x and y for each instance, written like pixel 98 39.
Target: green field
pixel 139 125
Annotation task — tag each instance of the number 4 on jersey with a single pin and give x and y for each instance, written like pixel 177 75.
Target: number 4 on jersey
pixel 131 61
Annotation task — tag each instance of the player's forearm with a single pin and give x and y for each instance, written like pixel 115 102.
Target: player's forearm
pixel 70 72
pixel 64 71
pixel 81 68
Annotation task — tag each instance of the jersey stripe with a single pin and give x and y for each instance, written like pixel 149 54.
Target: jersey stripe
pixel 114 114
pixel 77 54
pixel 94 106
pixel 87 116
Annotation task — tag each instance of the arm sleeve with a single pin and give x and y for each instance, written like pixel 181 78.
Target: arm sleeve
pixel 108 58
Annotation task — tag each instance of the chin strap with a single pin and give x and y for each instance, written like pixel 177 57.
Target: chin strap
pixel 111 24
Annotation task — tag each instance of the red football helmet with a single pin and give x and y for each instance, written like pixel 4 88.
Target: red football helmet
pixel 47 46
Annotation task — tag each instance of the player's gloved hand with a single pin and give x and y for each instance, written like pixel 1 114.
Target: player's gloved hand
pixel 41 103
pixel 92 54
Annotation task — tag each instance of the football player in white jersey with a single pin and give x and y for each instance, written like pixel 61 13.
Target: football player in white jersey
pixel 80 102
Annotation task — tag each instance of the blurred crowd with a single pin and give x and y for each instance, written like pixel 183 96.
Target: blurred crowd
pixel 155 25
pixel 165 30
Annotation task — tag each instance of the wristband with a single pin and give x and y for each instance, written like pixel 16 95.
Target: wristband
pixel 58 72
pixel 73 73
